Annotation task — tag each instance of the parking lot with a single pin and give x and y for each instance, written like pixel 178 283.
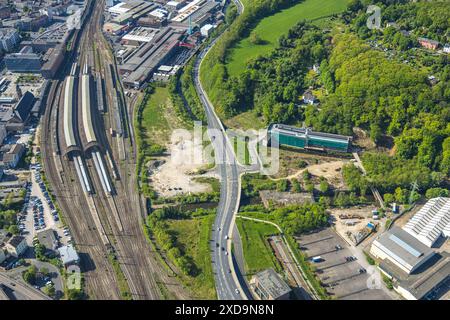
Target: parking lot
pixel 339 271
pixel 41 213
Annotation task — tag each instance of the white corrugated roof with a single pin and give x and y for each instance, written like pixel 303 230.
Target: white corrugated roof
pixel 432 221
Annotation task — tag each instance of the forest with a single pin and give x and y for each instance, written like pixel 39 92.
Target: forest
pixel 385 90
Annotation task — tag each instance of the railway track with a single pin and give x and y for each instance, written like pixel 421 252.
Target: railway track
pixel 102 219
pixel 120 212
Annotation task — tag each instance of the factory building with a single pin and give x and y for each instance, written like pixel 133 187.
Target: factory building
pixel 305 138
pixel 152 22
pixel 268 285
pixel 141 64
pixel 401 249
pixel 431 222
pixel 134 12
pixel 435 278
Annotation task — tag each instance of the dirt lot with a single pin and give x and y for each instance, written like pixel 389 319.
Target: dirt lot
pixel 354 225
pixel 319 166
pixel 342 279
pixel 179 171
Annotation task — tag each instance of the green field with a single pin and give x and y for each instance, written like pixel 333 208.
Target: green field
pixel 159 117
pixel 258 254
pixel 193 235
pixel 271 28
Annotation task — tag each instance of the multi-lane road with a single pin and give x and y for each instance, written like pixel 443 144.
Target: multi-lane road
pixel 228 285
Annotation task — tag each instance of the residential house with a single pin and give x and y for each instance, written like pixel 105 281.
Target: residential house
pixel 11 154
pixel 309 98
pixel 447 48
pixel 428 43
pixel 16 246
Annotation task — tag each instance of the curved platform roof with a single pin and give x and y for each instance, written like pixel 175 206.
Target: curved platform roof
pixel 88 124
pixel 69 134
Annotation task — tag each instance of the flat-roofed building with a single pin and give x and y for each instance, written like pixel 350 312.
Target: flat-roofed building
pixel 68 255
pixel 144 61
pixel 9 38
pixel 24 61
pixel 48 239
pixel 401 249
pixel 268 285
pixel 305 138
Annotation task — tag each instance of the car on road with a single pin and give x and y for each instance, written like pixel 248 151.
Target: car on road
pixel 237 291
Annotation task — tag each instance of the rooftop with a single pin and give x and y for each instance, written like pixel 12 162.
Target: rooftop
pixel 432 221
pixel 47 239
pixel 15 241
pixel 303 132
pixel 271 282
pixel 403 247
pixel 68 254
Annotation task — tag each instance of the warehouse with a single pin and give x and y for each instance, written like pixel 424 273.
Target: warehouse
pixel 433 280
pixel 305 138
pixel 431 222
pixel 140 65
pixel 401 249
pixel 139 35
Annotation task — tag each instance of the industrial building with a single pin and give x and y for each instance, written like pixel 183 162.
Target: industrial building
pixel 419 286
pixel 401 249
pixel 134 10
pixel 305 138
pixel 431 222
pixel 268 285
pixel 139 35
pixel 407 255
pixel 139 66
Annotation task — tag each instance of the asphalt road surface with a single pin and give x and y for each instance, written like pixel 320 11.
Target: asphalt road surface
pixel 227 284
